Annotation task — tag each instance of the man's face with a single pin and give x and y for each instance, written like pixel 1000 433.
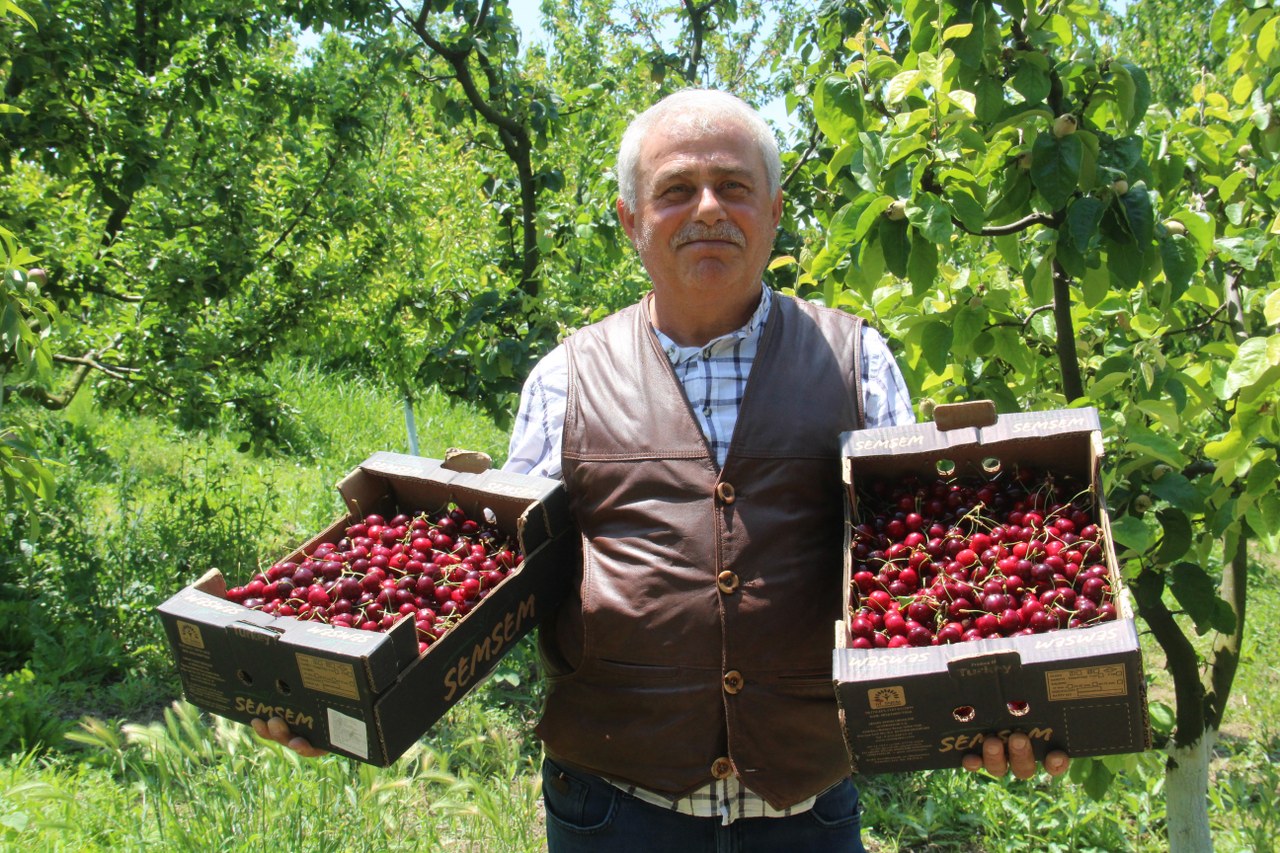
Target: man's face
pixel 704 218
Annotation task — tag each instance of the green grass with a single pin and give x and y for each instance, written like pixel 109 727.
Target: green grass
pixel 101 758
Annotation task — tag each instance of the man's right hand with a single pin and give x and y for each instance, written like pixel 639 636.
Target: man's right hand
pixel 277 729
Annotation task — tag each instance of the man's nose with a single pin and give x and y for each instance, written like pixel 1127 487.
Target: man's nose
pixel 709 209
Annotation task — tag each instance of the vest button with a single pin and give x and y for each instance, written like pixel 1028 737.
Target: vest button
pixel 727 581
pixel 733 681
pixel 722 768
pixel 724 491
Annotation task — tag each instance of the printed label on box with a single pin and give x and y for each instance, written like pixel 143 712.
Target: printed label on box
pixel 328 676
pixel 348 733
pixel 1089 682
pixel 189 634
pixel 886 697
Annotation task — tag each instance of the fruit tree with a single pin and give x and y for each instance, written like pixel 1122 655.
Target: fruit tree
pixel 999 189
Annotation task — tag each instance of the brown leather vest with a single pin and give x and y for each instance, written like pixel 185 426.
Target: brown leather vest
pixel 700 640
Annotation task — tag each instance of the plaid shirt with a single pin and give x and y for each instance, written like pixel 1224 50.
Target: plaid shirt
pixel 714 378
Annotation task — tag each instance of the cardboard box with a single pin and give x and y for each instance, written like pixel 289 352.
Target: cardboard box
pixel 1077 689
pixel 365 694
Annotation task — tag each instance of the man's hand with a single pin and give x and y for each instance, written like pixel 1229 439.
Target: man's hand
pixel 998 759
pixel 277 729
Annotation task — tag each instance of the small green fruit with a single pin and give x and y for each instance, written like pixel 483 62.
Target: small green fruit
pixel 897 211
pixel 1064 125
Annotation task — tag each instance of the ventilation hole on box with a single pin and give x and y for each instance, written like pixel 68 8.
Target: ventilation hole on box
pixel 991 465
pixel 1019 709
pixel 283 686
pixel 945 467
pixel 245 677
pixel 964 713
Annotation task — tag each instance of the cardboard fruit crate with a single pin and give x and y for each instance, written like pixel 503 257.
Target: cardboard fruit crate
pixel 370 695
pixel 1079 689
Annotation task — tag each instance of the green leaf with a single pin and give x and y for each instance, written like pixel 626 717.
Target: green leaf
pixel 837 108
pixel 1083 217
pixel 1144 443
pixel 1177 490
pixel 1136 204
pixel 1055 167
pixel 1095 286
pixel 1176 534
pixel 1197 594
pixel 1039 282
pixel 1098 781
pixel 1132 533
pixel 1162 718
pixel 896 243
pixel 1139 94
pixel 935 341
pixel 1262 478
pixel 968 325
pixel 1253 359
pixel 1031 81
pixel 1180 261
pixel 922 266
pixel 1124 263
pixel 902 85
pixel 966 209
pixel 1013 197
pixel 932 217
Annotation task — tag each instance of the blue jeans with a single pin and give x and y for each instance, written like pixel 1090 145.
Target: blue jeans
pixel 585 814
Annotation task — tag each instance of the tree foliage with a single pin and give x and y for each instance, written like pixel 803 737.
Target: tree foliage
pixel 998 187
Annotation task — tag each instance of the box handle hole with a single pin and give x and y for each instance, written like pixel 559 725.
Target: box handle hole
pixel 1019 709
pixel 245 677
pixel 283 686
pixel 945 467
pixel 964 713
pixel 991 465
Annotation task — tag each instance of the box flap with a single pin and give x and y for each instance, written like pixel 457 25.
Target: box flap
pixel 974 413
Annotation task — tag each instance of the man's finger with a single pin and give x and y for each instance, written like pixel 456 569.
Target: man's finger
pixel 993 756
pixel 1022 759
pixel 1057 762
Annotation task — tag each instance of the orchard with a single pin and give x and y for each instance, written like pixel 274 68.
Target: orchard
pixel 246 244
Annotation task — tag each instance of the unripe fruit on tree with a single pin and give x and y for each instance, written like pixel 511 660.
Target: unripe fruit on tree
pixel 38 275
pixel 1120 186
pixel 897 211
pixel 926 408
pixel 1064 125
pixel 1175 227
pixel 1142 503
pixel 1160 470
pixel 1024 161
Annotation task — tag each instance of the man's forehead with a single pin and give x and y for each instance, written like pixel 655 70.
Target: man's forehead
pixel 685 148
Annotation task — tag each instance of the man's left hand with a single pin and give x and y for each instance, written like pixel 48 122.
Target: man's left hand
pixel 998 758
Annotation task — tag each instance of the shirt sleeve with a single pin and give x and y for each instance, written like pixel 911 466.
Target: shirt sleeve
pixel 885 400
pixel 536 436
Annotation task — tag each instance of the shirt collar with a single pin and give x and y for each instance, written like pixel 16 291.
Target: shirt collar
pixel 678 354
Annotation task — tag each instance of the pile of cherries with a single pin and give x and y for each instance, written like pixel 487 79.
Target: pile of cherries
pixel 429 567
pixel 954 558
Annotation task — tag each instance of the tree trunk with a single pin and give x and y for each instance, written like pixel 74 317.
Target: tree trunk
pixel 1187 795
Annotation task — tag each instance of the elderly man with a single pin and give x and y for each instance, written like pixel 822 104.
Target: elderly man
pixel 689 702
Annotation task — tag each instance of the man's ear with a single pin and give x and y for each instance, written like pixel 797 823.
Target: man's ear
pixel 628 220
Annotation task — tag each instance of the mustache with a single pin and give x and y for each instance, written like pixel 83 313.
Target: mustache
pixel 695 231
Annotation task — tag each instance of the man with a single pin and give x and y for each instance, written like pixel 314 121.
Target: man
pixel 689 699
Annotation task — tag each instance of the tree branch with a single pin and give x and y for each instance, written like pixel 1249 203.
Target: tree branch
pixel 1011 228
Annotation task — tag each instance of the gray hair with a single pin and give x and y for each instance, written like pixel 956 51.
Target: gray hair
pixel 709 109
